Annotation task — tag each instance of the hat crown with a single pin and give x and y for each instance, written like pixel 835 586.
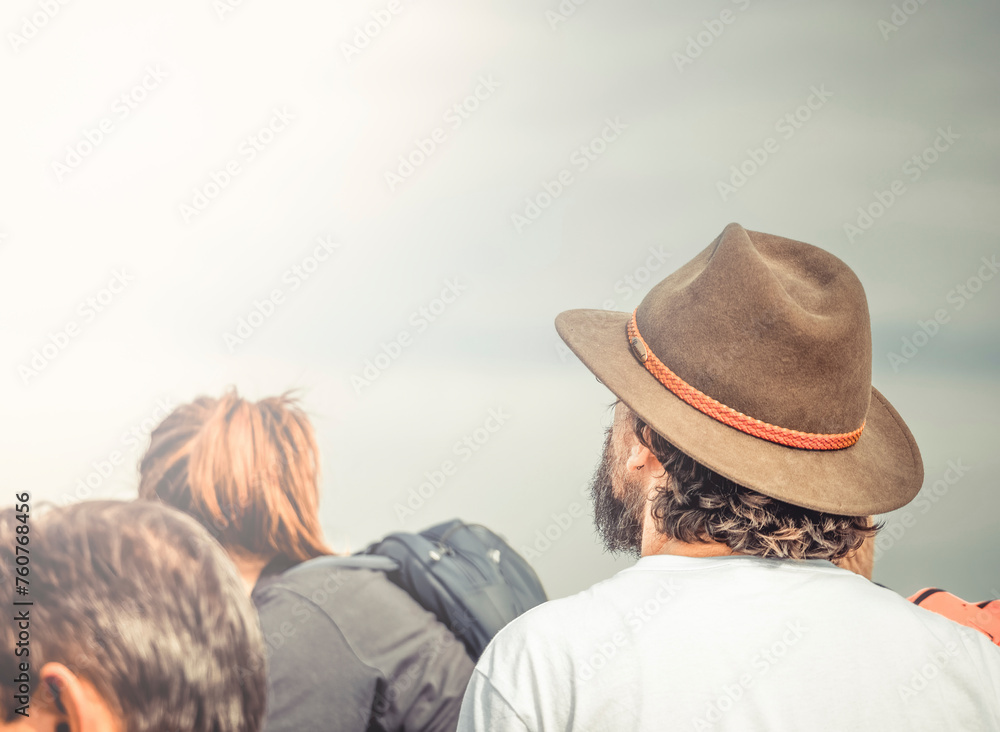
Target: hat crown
pixel 772 327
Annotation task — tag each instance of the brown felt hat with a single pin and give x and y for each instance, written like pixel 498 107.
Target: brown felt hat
pixel 755 359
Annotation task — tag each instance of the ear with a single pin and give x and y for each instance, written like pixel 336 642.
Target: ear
pixel 76 705
pixel 641 457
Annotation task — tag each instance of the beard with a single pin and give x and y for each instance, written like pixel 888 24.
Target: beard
pixel 618 520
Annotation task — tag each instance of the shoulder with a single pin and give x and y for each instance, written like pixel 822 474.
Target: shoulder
pixel 297 618
pixel 328 587
pixel 552 633
pixel 539 657
pixel 320 601
pixel 617 600
pixel 985 659
pixel 382 625
pixel 892 608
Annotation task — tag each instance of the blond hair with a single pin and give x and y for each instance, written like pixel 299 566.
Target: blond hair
pixel 248 471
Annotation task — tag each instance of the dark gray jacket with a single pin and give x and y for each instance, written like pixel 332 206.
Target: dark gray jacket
pixel 348 651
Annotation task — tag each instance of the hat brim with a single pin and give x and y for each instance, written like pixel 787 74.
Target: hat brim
pixel 880 472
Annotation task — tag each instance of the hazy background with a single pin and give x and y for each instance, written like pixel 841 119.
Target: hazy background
pixel 548 81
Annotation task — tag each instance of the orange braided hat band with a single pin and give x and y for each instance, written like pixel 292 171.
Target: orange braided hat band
pixel 727 415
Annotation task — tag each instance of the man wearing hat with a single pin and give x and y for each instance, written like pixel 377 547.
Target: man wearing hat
pixel 748 451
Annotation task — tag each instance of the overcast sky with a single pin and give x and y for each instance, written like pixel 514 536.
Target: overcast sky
pixel 337 168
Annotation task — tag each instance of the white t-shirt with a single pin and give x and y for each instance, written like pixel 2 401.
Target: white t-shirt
pixel 734 643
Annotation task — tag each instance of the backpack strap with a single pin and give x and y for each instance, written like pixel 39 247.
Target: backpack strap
pixel 352 561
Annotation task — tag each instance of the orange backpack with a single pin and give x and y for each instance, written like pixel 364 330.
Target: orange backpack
pixel 983 616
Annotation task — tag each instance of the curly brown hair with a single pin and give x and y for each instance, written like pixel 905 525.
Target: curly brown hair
pixel 697 505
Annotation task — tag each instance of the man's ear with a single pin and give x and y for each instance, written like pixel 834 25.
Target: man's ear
pixel 75 703
pixel 641 457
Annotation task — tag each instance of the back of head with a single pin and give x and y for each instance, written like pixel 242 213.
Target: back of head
pixel 140 602
pixel 248 471
pixel 695 504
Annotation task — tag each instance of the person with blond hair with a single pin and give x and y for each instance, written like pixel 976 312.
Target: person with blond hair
pixel 347 649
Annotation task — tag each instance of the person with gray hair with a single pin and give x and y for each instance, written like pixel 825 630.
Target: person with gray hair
pixel 132 618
